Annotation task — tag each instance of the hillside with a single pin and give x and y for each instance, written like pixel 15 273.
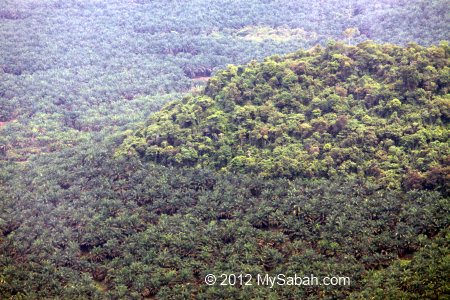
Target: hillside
pixel 174 204
pixel 147 144
pixel 369 111
pixel 92 66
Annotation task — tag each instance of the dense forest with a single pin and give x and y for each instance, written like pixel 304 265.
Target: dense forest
pixel 145 144
pixel 372 111
pixel 70 69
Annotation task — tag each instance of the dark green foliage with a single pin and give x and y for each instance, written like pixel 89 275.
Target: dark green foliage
pixel 425 276
pixel 69 69
pixel 77 77
pixel 376 111
pixel 95 227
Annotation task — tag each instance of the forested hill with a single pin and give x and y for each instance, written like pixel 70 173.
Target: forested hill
pixel 72 68
pixel 374 111
pixel 332 161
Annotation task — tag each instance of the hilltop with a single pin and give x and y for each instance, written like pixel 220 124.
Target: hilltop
pixel 297 164
pixel 368 111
